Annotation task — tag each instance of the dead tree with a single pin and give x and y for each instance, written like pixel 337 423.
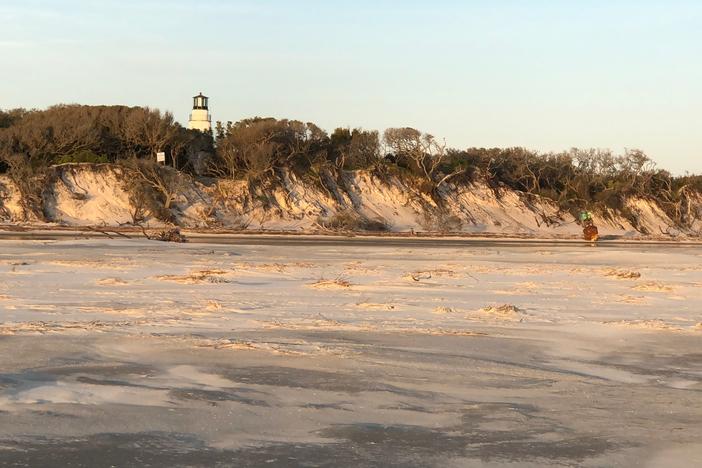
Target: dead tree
pixel 153 185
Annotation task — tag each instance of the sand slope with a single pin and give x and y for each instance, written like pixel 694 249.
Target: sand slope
pixel 94 194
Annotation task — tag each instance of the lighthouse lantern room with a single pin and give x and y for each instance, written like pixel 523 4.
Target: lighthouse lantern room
pixel 200 116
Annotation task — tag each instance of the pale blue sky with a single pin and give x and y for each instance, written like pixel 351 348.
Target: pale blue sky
pixel 547 75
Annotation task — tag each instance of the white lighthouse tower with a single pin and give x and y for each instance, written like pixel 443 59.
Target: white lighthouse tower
pixel 200 117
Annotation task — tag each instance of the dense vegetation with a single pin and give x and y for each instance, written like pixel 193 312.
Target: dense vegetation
pixel 31 141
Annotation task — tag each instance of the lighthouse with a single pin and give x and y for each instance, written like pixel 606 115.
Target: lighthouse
pixel 200 117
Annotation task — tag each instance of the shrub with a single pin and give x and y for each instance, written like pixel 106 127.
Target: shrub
pixel 84 156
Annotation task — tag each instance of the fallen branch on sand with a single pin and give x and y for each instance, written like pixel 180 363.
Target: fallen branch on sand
pixel 108 233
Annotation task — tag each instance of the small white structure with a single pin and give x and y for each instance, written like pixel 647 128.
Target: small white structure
pixel 200 117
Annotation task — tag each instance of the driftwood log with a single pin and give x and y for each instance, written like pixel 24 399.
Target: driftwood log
pixel 169 235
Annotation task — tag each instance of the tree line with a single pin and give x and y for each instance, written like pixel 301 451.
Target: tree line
pixel 254 148
pixel 75 133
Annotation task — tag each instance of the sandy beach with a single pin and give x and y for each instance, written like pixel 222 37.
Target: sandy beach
pixel 138 353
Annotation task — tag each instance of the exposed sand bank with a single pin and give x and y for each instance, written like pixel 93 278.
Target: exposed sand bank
pixel 94 195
